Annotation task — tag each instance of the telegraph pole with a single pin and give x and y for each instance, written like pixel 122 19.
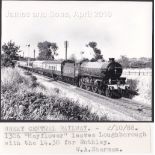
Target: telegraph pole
pixel 34 53
pixel 66 46
pixel 28 53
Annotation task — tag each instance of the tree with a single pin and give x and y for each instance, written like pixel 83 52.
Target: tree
pixel 97 52
pixel 47 50
pixel 124 60
pixel 10 54
pixel 92 44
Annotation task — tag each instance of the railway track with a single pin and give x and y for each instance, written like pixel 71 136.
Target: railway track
pixel 135 110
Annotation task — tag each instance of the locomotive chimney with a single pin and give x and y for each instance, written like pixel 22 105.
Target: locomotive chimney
pixel 111 59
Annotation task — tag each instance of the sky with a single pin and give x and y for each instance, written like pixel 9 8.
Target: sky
pixel 119 28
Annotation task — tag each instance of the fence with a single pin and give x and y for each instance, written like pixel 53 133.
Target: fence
pixel 139 73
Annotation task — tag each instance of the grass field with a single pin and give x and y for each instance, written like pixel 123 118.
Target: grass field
pixel 23 98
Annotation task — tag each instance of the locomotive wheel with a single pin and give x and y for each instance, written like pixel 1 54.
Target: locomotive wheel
pixel 81 84
pixel 88 88
pixel 100 91
pixel 107 93
pixel 95 88
pixel 120 95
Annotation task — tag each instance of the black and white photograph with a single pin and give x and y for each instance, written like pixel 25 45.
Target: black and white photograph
pixel 77 61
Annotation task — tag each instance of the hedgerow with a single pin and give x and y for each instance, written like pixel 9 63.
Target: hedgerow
pixel 21 101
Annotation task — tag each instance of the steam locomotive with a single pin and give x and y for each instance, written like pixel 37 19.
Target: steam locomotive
pixel 100 77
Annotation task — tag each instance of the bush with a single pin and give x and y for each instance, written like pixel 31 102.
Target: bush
pixel 133 84
pixel 36 106
pixel 133 89
pixel 10 79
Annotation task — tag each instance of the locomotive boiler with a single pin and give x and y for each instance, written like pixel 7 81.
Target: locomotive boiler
pixel 105 70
